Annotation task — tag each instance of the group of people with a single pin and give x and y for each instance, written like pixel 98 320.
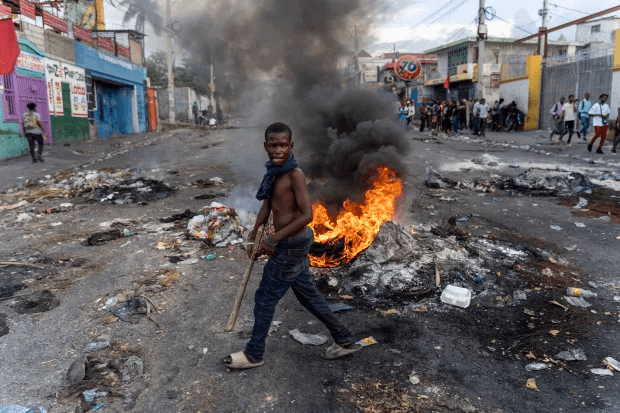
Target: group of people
pixel 565 114
pixel 406 112
pixel 472 114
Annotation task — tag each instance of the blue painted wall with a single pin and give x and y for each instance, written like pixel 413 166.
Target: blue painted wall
pixel 114 107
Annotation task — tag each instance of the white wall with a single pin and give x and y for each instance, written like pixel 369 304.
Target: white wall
pixel 517 91
pixel 583 33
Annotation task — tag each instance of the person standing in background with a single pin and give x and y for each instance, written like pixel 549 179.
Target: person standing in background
pixel 34 131
pixel 584 114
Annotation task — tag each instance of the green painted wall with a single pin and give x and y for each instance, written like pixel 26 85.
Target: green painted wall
pixel 12 145
pixel 67 128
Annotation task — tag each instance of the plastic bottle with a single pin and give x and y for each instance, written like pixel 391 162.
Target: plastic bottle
pixel 578 292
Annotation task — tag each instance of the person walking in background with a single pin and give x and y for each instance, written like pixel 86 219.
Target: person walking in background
pixel 599 114
pixel 568 117
pixel 584 114
pixel 34 131
pixel 195 112
pixel 483 114
pixel 556 113
pixel 422 116
pixel 410 114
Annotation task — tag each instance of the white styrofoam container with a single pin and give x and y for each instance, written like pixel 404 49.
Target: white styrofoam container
pixel 461 297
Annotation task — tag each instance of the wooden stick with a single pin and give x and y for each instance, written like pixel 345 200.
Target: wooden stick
pixel 437 274
pixel 244 281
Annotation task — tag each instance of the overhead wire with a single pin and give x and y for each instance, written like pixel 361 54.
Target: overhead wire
pixel 431 15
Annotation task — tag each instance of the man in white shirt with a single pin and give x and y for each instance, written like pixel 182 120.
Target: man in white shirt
pixel 568 116
pixel 482 110
pixel 599 114
pixel 556 112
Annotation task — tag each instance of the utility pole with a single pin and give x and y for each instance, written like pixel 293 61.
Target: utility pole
pixel 170 60
pixel 545 20
pixel 482 35
pixel 212 83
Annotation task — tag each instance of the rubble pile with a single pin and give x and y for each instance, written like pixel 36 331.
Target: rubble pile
pixel 220 226
pixel 135 190
pixel 550 182
pixel 400 265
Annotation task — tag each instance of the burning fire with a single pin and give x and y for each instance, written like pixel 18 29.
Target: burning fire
pixel 357 223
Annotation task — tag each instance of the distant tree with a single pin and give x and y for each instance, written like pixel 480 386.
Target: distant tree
pixel 143 11
pixel 157 69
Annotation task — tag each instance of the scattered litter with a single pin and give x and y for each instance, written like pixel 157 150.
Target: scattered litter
pixel 571 248
pixel 211 256
pixel 368 341
pixel 55 224
pixel 497 199
pixel 8 207
pixel 519 295
pixel 579 292
pixel 310 339
pixel 531 384
pixel 555 227
pixel 582 203
pixel 536 366
pixel 435 180
pixel 550 182
pixel 98 406
pixel 216 180
pixel 220 227
pixel 132 367
pixel 580 225
pixel 132 310
pixel 463 219
pixel 100 343
pixel 92 394
pixel 13 408
pixel 413 379
pixel 611 362
pixel 479 278
pixel 335 307
pixel 101 238
pixel 514 166
pixel 189 262
pixel 458 296
pixel 275 325
pixel 486 159
pixel 572 355
pixel 577 302
pixel 602 372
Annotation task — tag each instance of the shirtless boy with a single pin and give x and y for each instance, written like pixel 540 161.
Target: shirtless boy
pixel 283 192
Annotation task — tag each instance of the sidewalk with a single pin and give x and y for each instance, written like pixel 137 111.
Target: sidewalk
pixel 74 155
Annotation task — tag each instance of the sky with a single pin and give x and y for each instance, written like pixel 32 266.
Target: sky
pixel 419 25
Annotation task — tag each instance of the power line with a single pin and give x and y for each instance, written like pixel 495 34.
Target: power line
pixel 431 15
pixel 127 8
pixel 460 32
pixel 513 25
pixel 566 8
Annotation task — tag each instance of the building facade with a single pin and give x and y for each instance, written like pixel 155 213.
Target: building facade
pixel 86 83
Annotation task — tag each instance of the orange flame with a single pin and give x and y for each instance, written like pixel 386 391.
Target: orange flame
pixel 357 223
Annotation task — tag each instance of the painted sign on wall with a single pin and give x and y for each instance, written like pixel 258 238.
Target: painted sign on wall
pixel 57 73
pixel 30 62
pixel 407 68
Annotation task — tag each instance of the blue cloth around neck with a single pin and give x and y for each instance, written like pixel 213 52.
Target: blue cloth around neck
pixel 266 187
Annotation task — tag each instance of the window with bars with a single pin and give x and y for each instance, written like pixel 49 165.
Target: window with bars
pixel 10 99
pixel 596 28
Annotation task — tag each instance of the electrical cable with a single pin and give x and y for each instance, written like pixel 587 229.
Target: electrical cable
pixel 432 14
pixel 566 8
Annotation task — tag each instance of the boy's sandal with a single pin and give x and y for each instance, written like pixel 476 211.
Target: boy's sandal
pixel 240 361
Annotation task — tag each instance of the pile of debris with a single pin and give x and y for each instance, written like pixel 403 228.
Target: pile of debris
pixel 136 190
pixel 219 226
pixel 549 182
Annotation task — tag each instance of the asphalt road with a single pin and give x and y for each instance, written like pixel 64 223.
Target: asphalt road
pixel 465 359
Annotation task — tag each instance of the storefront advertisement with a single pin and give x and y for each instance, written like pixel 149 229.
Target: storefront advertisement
pixel 30 62
pixel 57 73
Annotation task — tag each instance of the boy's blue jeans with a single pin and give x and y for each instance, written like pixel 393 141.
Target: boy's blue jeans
pixel 289 267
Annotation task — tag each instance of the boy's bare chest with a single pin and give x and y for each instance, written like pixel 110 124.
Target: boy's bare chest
pixel 283 188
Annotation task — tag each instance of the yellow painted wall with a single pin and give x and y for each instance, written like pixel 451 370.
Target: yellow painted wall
pixel 617 51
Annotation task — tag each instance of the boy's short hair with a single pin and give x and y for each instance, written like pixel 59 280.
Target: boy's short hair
pixel 603 94
pixel 31 106
pixel 278 127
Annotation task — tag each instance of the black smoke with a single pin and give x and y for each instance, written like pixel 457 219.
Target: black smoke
pixel 283 60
